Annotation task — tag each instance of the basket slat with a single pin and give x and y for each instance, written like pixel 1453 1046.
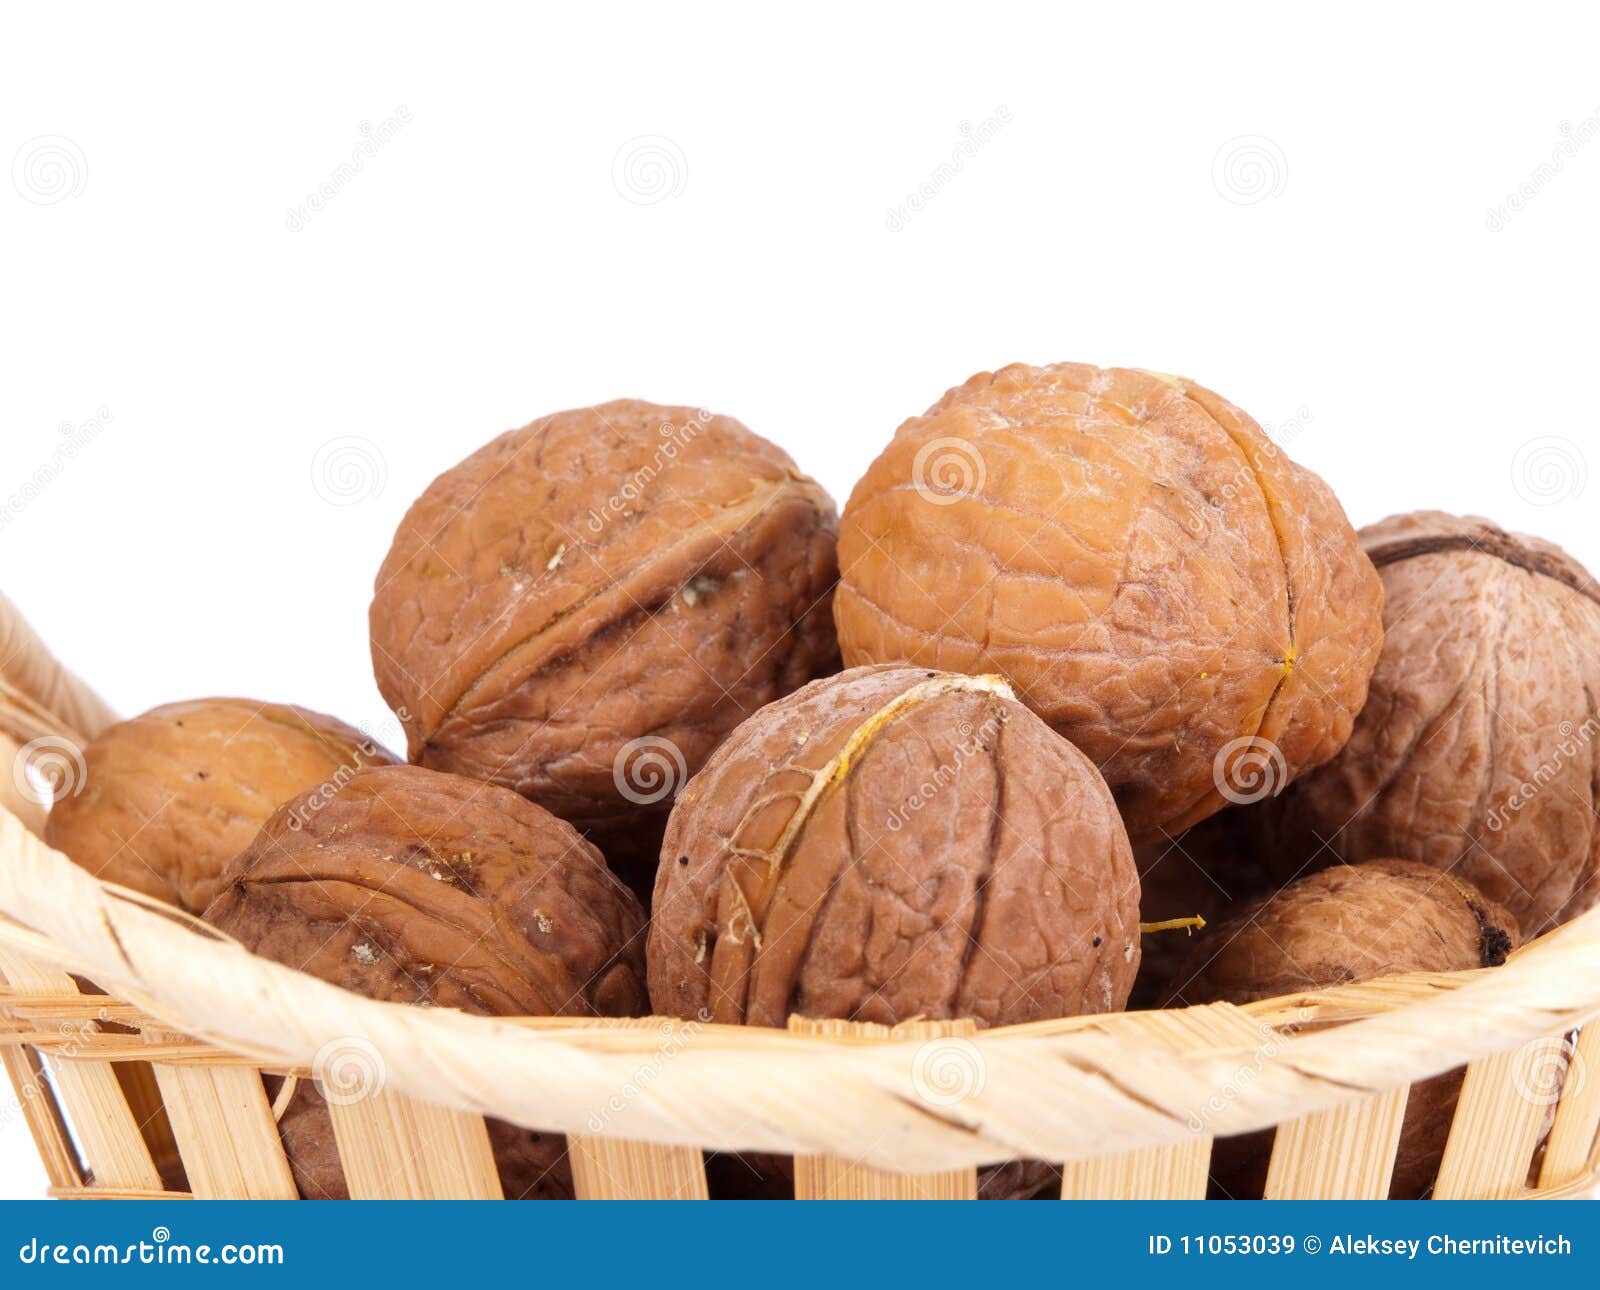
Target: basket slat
pixel 829 1178
pixel 225 1132
pixel 1496 1127
pixel 617 1169
pixel 1570 1152
pixel 1344 1154
pixel 1178 1172
pixel 90 1095
pixel 394 1147
pixel 43 1116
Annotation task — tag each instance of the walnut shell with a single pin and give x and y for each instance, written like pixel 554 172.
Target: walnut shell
pixel 1156 578
pixel 412 886
pixel 582 609
pixel 1479 748
pixel 168 798
pixel 1343 924
pixel 894 843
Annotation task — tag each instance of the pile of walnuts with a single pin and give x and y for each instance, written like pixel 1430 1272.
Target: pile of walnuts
pixel 1083 647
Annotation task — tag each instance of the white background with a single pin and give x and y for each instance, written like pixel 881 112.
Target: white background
pixel 1304 208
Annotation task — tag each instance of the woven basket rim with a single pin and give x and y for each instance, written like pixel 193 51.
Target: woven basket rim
pixel 1063 1090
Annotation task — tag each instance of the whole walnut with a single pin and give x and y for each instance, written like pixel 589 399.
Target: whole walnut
pixel 894 843
pixel 168 798
pixel 1477 750
pixel 1344 924
pixel 582 609
pixel 413 886
pixel 1157 580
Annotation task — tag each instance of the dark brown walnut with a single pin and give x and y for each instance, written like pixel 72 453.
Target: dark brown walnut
pixel 1157 579
pixel 1479 748
pixel 412 886
pixel 1343 924
pixel 894 843
pixel 168 798
pixel 582 609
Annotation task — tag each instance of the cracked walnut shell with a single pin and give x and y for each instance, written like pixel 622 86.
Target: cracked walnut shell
pixel 607 582
pixel 413 886
pixel 1154 576
pixel 170 797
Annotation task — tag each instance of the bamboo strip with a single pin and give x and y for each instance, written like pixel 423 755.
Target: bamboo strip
pixel 1179 1171
pixel 1346 1153
pixel 619 1169
pixel 1572 1148
pixel 832 1178
pixel 611 1167
pixel 43 1116
pixel 1497 1124
pixel 28 668
pixel 394 1147
pixel 90 1096
pixel 225 1133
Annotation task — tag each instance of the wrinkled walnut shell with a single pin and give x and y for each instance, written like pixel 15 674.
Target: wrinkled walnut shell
pixel 894 843
pixel 1479 748
pixel 170 797
pixel 582 609
pixel 411 886
pixel 1343 924
pixel 1156 578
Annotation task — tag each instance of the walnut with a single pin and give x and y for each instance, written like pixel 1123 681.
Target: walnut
pixel 1343 924
pixel 413 886
pixel 168 798
pixel 893 843
pixel 1477 750
pixel 1153 575
pixel 582 609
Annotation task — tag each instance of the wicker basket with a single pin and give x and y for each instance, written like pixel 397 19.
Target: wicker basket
pixel 167 1065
